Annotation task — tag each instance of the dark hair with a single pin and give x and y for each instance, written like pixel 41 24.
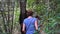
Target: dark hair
pixel 37 17
pixel 29 13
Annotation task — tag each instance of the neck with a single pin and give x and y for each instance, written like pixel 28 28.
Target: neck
pixel 29 16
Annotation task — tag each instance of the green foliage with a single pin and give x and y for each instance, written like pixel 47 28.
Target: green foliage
pixel 49 14
pixel 49 18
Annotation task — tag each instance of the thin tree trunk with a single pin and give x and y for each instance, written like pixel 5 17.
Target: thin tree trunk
pixel 5 28
pixel 22 13
pixel 8 21
pixel 3 15
pixel 12 21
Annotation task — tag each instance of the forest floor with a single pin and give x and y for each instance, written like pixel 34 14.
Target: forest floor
pixel 16 32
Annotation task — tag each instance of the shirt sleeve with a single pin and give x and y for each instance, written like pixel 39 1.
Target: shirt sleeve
pixel 35 19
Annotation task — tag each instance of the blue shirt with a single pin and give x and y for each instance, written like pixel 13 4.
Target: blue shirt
pixel 30 25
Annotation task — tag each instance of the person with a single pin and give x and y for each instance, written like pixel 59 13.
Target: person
pixel 40 25
pixel 30 23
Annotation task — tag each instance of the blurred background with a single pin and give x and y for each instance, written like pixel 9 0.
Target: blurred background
pixel 47 10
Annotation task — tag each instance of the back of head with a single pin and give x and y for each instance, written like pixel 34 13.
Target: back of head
pixel 29 12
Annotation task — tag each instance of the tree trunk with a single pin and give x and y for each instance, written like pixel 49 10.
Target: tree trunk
pixel 22 13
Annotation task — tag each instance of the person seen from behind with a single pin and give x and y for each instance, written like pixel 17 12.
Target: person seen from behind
pixel 30 23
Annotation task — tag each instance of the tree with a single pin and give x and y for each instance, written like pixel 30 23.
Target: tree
pixel 22 12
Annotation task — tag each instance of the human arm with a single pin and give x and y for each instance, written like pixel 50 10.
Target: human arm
pixel 36 25
pixel 23 29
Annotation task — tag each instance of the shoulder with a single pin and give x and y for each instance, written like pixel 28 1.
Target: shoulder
pixel 34 18
pixel 25 19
